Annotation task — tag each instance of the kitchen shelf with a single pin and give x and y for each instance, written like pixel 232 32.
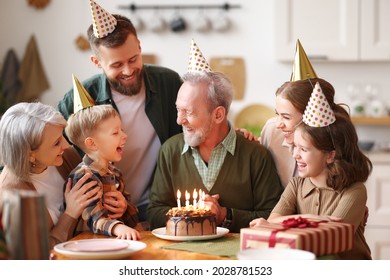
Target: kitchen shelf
pixel 371 120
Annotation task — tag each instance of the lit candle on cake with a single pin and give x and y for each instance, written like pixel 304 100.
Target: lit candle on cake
pixel 195 196
pixel 178 199
pixel 187 200
pixel 201 199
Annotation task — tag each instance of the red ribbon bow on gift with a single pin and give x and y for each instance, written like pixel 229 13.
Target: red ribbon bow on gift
pixel 291 223
pixel 298 223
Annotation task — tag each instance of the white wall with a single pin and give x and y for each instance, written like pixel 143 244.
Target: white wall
pixel 61 22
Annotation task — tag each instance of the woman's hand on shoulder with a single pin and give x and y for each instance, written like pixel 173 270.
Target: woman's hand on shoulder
pixel 247 134
pixel 81 195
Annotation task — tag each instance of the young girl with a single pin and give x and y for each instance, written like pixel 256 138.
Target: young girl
pixel 331 171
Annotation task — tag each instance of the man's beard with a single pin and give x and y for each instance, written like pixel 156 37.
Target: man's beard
pixel 198 137
pixel 131 89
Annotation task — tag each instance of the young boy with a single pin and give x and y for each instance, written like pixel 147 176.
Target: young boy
pixel 97 131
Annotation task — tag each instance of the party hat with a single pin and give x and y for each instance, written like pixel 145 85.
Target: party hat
pixel 103 22
pixel 318 112
pixel 81 97
pixel 197 63
pixel 302 68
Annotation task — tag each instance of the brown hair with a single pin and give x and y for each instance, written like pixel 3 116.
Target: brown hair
pixel 350 165
pixel 298 92
pixel 117 38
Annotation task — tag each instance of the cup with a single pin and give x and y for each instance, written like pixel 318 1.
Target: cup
pixel 137 23
pixel 202 23
pixel 25 225
pixel 178 24
pixel 157 24
pixel 221 23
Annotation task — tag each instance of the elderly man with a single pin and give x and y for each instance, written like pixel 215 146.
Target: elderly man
pixel 238 175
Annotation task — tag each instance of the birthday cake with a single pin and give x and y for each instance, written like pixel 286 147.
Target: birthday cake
pixel 190 222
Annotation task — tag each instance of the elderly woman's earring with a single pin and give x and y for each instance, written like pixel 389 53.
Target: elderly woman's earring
pixel 32 162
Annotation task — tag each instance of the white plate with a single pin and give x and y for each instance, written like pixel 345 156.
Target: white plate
pixel 95 249
pixel 275 254
pixel 160 233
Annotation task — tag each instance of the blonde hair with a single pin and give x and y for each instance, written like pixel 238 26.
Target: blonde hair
pixel 83 123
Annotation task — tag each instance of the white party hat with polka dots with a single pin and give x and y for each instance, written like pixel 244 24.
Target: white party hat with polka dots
pixel 103 22
pixel 197 62
pixel 318 112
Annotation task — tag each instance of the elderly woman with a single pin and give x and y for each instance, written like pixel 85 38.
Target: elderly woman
pixel 37 157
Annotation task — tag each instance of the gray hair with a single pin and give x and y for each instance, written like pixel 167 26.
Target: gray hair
pixel 220 88
pixel 21 130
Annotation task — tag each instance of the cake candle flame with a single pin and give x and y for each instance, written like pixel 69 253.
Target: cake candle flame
pixel 187 200
pixel 195 196
pixel 202 197
pixel 178 199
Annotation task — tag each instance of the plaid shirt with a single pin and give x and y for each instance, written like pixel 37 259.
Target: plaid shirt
pixel 209 173
pixel 95 216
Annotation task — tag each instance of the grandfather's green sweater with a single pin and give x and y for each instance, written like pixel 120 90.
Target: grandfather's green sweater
pixel 247 182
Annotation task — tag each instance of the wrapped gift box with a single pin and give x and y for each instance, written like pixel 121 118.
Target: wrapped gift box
pixel 325 239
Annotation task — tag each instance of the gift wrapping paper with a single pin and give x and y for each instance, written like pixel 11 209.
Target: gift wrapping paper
pixel 325 239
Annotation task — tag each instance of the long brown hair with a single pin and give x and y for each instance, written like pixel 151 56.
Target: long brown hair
pixel 299 92
pixel 350 164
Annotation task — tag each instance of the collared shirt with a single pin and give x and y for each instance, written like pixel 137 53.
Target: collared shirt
pixel 301 196
pixel 209 173
pixel 110 179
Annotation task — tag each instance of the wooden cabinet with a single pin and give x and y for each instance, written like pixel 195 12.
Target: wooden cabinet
pixel 374 33
pixel 378 225
pixel 334 30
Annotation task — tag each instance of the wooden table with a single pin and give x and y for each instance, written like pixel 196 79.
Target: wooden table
pixel 152 250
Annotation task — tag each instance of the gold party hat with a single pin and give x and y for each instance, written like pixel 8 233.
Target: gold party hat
pixel 81 97
pixel 197 63
pixel 103 22
pixel 318 112
pixel 302 69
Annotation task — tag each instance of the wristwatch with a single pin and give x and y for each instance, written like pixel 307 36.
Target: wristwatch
pixel 228 219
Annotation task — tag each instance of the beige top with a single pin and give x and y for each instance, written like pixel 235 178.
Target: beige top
pixel 273 139
pixel 303 197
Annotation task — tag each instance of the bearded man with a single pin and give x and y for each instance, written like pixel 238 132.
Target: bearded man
pixel 238 176
pixel 144 95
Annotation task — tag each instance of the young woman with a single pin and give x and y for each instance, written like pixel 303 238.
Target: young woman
pixel 278 133
pixel 332 171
